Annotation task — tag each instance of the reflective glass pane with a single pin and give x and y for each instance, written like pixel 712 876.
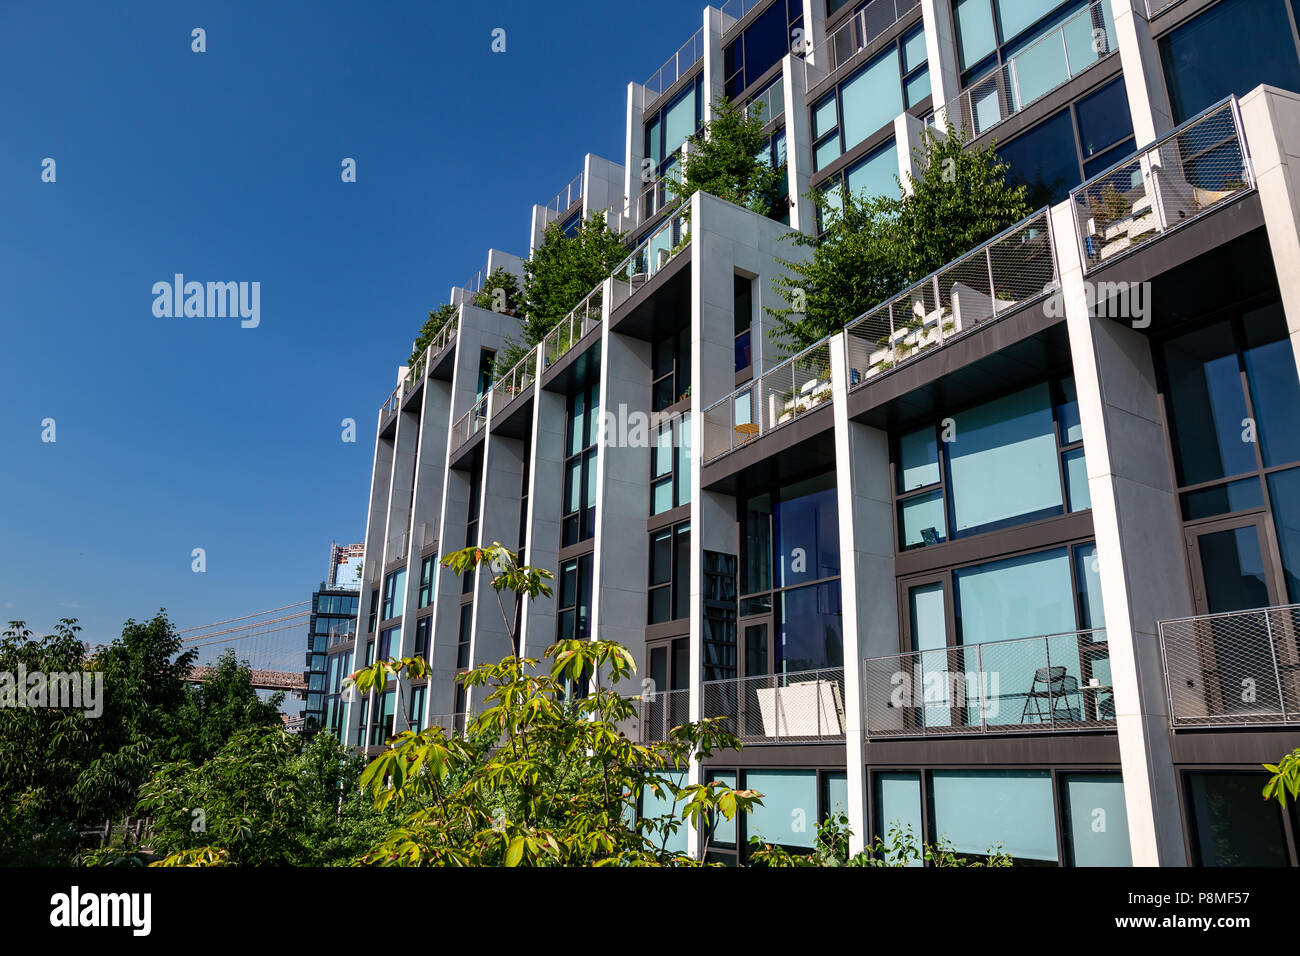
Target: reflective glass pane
pixel 921 520
pixel 1076 480
pixel 1208 406
pixel 918 453
pixel 789 812
pixel 871 99
pixel 876 175
pixel 898 809
pixel 976 38
pixel 1096 821
pixel 1274 386
pixel 976 810
pixel 1284 493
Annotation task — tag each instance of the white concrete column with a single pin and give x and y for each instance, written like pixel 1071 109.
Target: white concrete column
pixel 1139 542
pixel 864 499
pixel 636 177
pixel 798 146
pixel 941 55
pixel 1142 77
pixel 545 496
pixel 602 190
pixel 1271 118
pixel 909 145
pixel 814 28
pixel 715 21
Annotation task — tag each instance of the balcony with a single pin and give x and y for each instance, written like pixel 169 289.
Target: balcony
pixel 515 382
pixel 398 547
pixel 585 316
pixel 1013 268
pixel 565 198
pixel 1053 59
pixel 391 404
pixel 1056 683
pixel 1193 170
pixel 345 632
pixel 1236 669
pixel 651 255
pixel 661 712
pixel 800 707
pixel 780 395
pixel 469 424
pixel 852 36
pixel 690 53
pixel 453 725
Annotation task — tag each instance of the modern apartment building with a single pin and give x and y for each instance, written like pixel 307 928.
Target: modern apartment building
pixel 1014 558
pixel 331 638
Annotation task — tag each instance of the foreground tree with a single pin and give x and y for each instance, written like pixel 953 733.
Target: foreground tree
pixel 1284 779
pixel 831 848
pixel 429 331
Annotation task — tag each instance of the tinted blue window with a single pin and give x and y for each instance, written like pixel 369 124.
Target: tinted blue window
pixel 1045 159
pixel 1104 119
pixel 1231 48
pixel 810 628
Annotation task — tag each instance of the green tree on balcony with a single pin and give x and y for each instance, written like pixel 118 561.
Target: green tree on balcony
pixel 428 332
pixel 874 247
pixel 727 158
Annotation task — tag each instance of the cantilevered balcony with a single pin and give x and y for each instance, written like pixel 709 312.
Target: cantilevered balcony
pixel 1240 668
pixel 690 53
pixel 515 382
pixel 798 707
pixel 660 712
pixel 586 315
pixel 1054 683
pixel 1050 61
pixel 469 424
pixel 651 255
pixel 1199 166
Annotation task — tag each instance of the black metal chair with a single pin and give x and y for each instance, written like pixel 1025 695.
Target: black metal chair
pixel 1046 697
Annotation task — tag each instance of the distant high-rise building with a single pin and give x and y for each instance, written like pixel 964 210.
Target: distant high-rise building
pixel 331 637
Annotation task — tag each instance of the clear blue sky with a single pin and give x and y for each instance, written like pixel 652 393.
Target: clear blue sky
pixel 178 433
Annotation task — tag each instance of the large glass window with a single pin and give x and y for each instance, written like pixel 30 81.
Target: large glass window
pixel 760 46
pixel 394 594
pixel 426 581
pixel 982 810
pixel 899 810
pixel 583 434
pixel 1230 48
pixel 670 574
pixel 573 619
pixel 671 125
pixel 671 369
pixel 1006 462
pixel 788 815
pixel 869 100
pixel 1230 824
pixel 660 805
pixel 1095 820
pixel 670 466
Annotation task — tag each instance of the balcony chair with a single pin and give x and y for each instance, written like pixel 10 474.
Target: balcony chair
pixel 1046 697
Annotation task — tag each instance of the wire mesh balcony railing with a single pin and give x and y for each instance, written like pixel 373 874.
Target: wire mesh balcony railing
pixel 453 725
pixel 662 711
pixel 515 382
pixel 652 254
pixel 854 35
pixel 469 424
pixel 565 198
pixel 1053 683
pixel 1086 38
pixel 780 395
pixel 799 707
pixel 1198 166
pixel 570 329
pixel 1240 667
pixel 690 53
pixel 1012 268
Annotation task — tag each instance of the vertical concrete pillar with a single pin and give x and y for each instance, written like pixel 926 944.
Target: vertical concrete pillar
pixel 1271 118
pixel 636 177
pixel 864 499
pixel 909 145
pixel 941 54
pixel 1139 545
pixel 715 21
pixel 545 494
pixel 798 146
pixel 1142 77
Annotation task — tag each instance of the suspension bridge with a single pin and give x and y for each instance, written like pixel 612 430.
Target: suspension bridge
pixel 273 643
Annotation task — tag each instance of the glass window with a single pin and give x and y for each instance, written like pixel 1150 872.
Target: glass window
pixel 1096 821
pixel 1230 48
pixel 1241 495
pixel 394 594
pixel 876 175
pixel 463 637
pixel 1274 387
pixel 976 38
pixel 1231 825
pixel 805 525
pixel 1207 406
pixel 1087 571
pixel 976 810
pixel 1284 493
pixel 918 454
pixel 670 557
pixel 898 807
pixel 788 815
pixel 724 831
pixel 662 804
pixel 1104 119
pixel 809 623
pixel 922 520
pixel 1025 596
pixel 1076 480
pixel 426 581
pixel 1002 462
pixel 871 99
pixel 1045 159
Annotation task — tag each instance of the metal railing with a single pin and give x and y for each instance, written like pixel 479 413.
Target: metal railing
pixel 475 285
pixel 771 99
pixel 690 53
pixel 565 198
pixel 1053 59
pixel 1052 683
pixel 1239 667
pixel 415 373
pixel 1199 165
pixel 852 36
pixel 516 381
pixel 453 725
pixel 445 335
pixel 398 547
pixel 570 329
pixel 661 712
pixel 1015 266
pixel 736 9
pixel 780 395
pixel 392 402
pixel 651 254
pixel 468 425
pixel 804 706
pixel 1158 6
pixel 656 196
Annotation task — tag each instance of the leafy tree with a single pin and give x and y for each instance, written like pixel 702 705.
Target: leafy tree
pixel 874 247
pixel 225 703
pixel 500 293
pixel 726 159
pixel 429 331
pixel 563 270
pixel 1284 778
pixel 831 848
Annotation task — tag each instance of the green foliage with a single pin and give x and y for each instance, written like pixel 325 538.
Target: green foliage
pixel 500 293
pixel 437 319
pixel 266 798
pixel 563 270
pixel 225 703
pixel 725 159
pixel 874 247
pixel 903 849
pixel 1284 779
